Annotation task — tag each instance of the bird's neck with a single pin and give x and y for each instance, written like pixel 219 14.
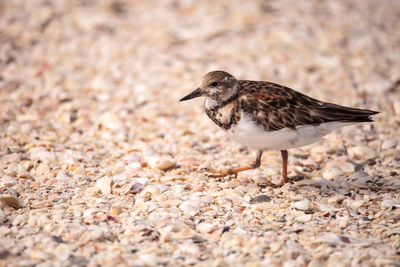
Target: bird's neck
pixel 232 95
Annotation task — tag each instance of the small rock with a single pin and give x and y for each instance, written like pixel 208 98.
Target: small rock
pixel 39 255
pixel 148 259
pixel 230 240
pixel 315 263
pixel 355 204
pixel 19 220
pixel 342 221
pixel 190 249
pixel 302 204
pixel 396 107
pixel 8 158
pixel 304 218
pixel 62 252
pixel 160 163
pixel 362 152
pixel 115 211
pixel 92 191
pixel 332 238
pixel 347 167
pixel 136 188
pixel 205 228
pixel 332 173
pixel 4 254
pixel 141 180
pixel 260 199
pixel 42 169
pixel 104 184
pixel 275 246
pixel 40 153
pixel 62 177
pixel 7 180
pixel 111 121
pixel 388 203
pixel 326 207
pixel 388 144
pixel 188 208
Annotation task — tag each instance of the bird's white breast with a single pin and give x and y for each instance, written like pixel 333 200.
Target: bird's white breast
pixel 253 135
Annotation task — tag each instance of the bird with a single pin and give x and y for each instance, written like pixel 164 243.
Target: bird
pixel 264 116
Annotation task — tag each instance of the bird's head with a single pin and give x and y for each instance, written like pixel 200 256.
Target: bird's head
pixel 217 85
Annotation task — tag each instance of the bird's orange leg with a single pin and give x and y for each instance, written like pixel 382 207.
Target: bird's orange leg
pixel 284 166
pixel 235 171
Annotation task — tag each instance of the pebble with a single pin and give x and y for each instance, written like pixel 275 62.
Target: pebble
pixel 161 163
pixel 62 177
pixel 111 121
pixel 362 152
pixel 9 158
pixel 7 180
pixel 355 204
pixel 275 246
pixel 92 191
pixel 396 107
pixel 230 240
pixel 188 208
pixel 304 218
pixel 148 259
pixel 136 188
pixel 115 211
pixel 104 184
pixel 387 144
pixel 326 207
pixel 40 153
pixel 260 199
pixel 62 252
pixel 205 228
pixel 336 239
pixel 42 169
pixel 301 205
pixel 347 167
pixel 332 173
pixel 20 219
pixel 190 249
pixel 389 203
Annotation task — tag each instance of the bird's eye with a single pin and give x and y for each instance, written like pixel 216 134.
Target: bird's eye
pixel 213 84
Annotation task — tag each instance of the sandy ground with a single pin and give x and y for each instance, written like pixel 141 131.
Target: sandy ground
pixel 100 164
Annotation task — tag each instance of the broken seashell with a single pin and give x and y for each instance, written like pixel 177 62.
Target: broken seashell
pixel 160 163
pixel 104 184
pixel 11 201
pixel 260 199
pixel 115 211
pixel 302 204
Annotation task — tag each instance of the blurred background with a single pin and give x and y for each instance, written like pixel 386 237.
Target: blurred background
pixel 118 55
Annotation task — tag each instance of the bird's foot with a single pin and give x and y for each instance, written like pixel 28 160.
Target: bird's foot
pixel 228 172
pixel 221 173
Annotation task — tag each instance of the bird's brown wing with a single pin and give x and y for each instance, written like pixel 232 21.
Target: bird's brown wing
pixel 277 107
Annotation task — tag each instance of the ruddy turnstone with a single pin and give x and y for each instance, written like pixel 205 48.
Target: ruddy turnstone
pixel 269 116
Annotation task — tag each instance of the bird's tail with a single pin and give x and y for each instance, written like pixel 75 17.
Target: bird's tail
pixel 335 112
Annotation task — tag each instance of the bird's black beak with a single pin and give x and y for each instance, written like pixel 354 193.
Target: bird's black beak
pixel 196 93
